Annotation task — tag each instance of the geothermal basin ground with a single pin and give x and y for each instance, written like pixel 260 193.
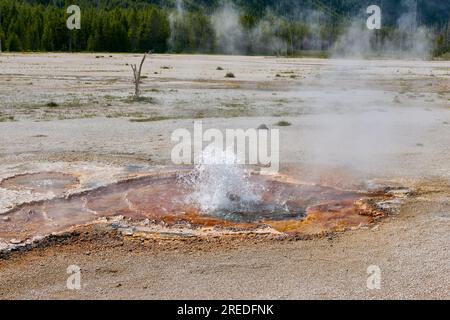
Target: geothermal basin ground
pixel 86 178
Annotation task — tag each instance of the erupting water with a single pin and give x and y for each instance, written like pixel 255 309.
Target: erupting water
pixel 222 187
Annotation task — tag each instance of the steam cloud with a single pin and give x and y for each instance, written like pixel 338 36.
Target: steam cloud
pixel 408 41
pixel 358 131
pixel 264 37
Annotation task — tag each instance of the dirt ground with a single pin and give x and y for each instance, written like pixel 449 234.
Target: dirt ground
pixel 380 121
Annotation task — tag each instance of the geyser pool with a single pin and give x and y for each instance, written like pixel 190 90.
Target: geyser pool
pixel 271 202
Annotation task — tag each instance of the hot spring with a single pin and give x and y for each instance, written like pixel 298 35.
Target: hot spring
pixel 226 197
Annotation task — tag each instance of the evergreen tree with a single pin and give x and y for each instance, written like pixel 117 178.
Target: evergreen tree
pixel 268 26
pixel 13 43
pixel 2 39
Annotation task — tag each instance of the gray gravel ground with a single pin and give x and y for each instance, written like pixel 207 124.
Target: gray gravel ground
pixel 386 120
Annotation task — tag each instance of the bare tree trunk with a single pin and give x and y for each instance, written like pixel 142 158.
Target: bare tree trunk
pixel 137 76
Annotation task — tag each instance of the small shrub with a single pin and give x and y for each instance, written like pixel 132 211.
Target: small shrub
pixel 52 104
pixel 230 75
pixel 263 127
pixel 283 123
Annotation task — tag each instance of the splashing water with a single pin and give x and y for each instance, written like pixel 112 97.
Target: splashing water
pixel 221 186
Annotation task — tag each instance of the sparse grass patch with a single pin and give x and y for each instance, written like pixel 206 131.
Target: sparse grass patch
pixel 234 105
pixel 150 119
pixel 281 101
pixel 109 97
pixel 118 114
pixel 7 119
pixel 134 99
pixel 199 115
pixel 280 114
